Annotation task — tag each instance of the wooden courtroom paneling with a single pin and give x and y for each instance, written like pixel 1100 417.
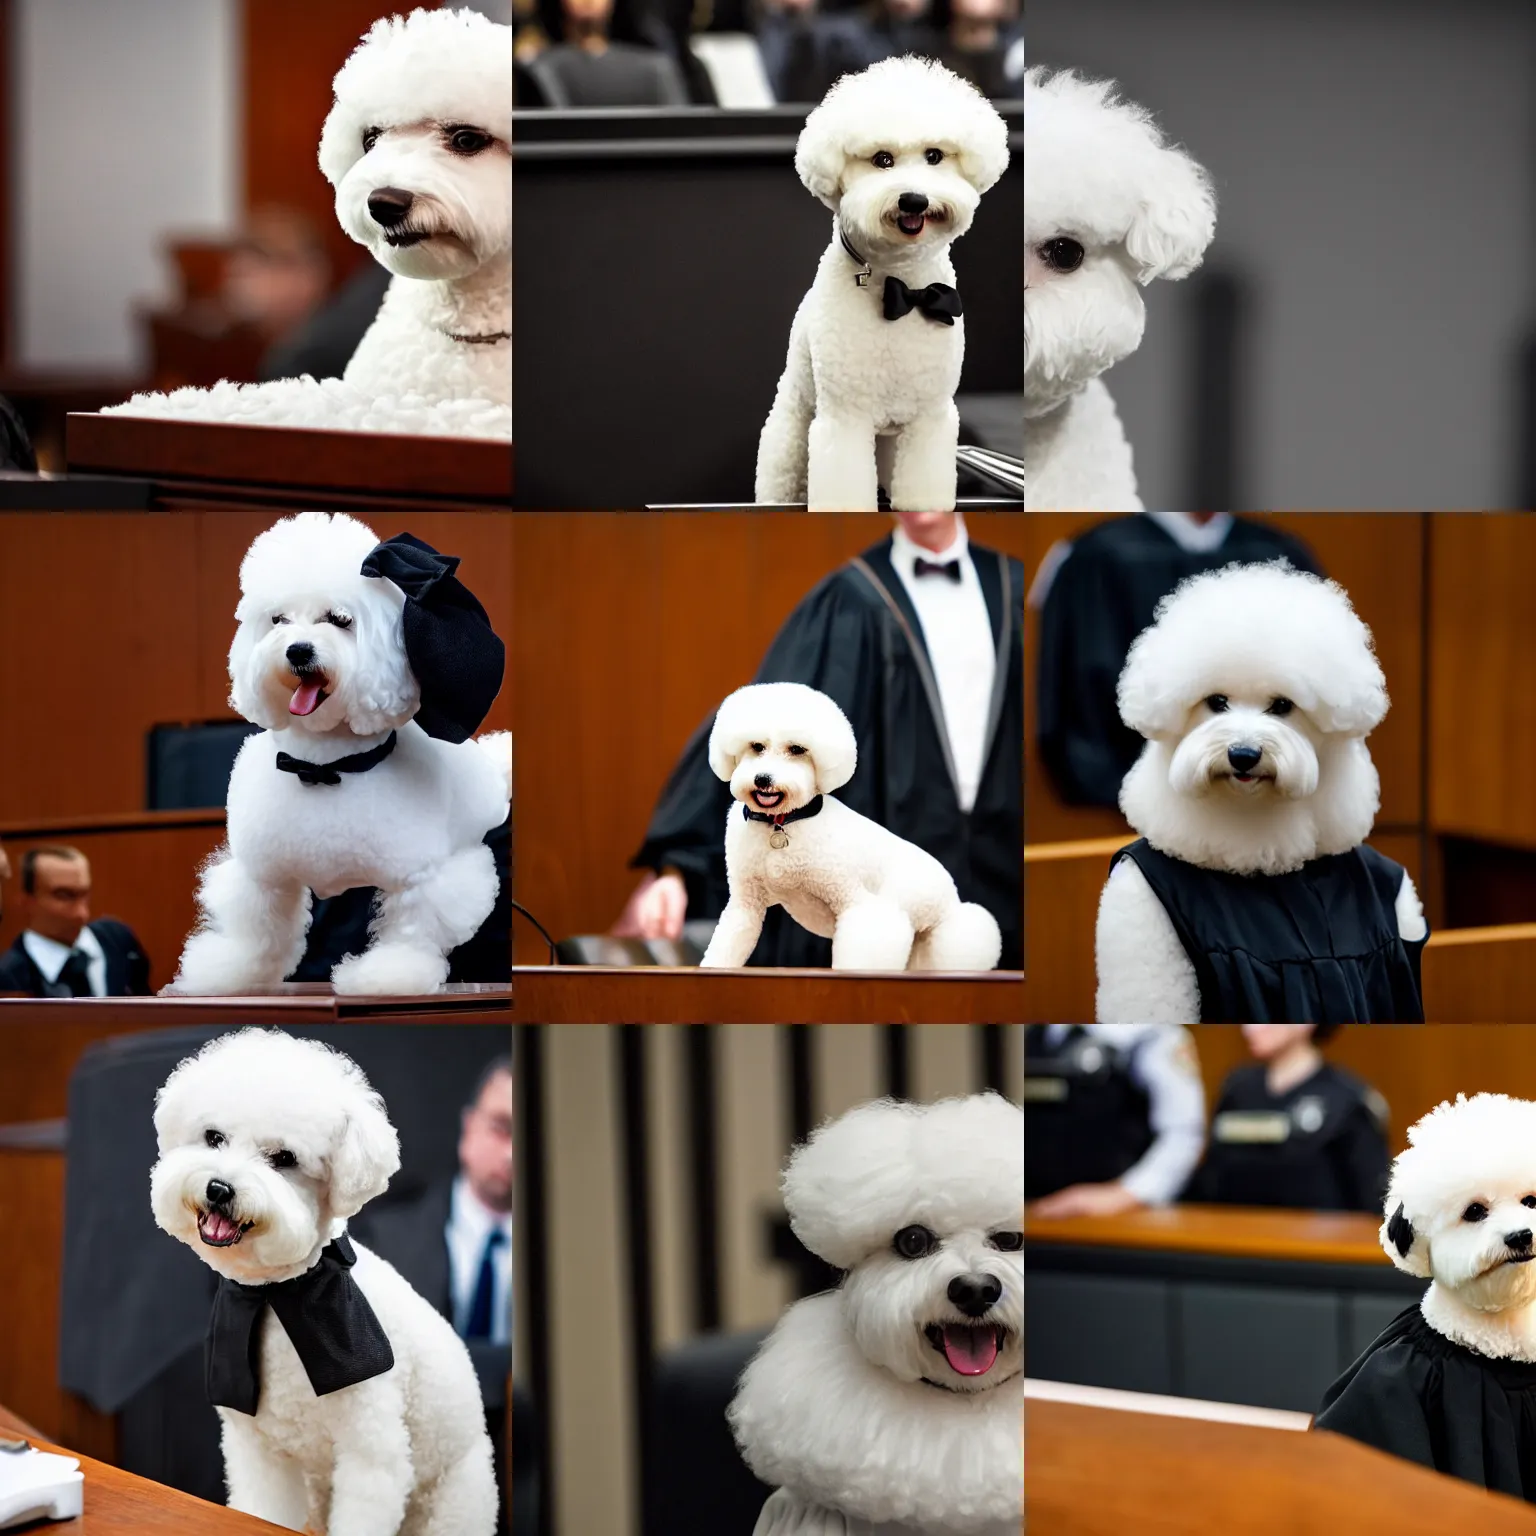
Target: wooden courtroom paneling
pixel 1379 558
pixel 1101 1472
pixel 32 1224
pixel 630 629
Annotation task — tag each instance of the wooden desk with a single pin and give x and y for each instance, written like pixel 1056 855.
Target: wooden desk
pixel 119 1504
pixel 592 994
pixel 1098 1472
pixel 206 464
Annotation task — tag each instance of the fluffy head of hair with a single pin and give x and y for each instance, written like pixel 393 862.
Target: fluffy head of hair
pixel 1099 175
pixel 291 1128
pixel 955 1164
pixel 301 582
pixel 776 728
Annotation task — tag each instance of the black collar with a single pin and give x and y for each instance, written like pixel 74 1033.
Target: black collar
pixel 330 773
pixel 484 339
pixel 334 1331
pixel 810 808
pixel 861 278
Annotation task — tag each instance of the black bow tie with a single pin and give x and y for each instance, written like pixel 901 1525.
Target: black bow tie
pixel 810 808
pixel 938 301
pixel 334 1331
pixel 946 568
pixel 330 773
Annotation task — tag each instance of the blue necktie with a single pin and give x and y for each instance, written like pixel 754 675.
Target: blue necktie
pixel 479 1324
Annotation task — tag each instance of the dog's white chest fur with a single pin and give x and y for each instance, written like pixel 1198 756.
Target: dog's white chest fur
pixel 1077 457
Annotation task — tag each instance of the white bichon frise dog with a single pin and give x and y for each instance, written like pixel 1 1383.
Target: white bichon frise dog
pixel 368 666
pixel 901 154
pixel 1447 1383
pixel 1251 896
pixel 349 1405
pixel 418 148
pixel 898 1399
pixel 886 904
pixel 1109 205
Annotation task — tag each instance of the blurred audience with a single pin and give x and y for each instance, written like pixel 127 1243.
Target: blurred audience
pixel 60 951
pixel 278 273
pixel 602 53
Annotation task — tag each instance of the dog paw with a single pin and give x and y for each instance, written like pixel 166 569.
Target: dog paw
pixel 215 966
pixel 390 970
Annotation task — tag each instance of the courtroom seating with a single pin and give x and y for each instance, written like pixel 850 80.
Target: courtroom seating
pixel 188 766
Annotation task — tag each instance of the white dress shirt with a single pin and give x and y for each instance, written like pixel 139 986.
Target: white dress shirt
pixel 469 1225
pixel 49 956
pixel 962 648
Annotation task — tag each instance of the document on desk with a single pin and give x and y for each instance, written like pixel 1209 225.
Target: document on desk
pixel 36 1485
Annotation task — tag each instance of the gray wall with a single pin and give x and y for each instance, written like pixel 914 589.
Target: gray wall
pixel 1376 167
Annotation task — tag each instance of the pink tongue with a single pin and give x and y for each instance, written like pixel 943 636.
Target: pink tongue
pixel 219 1227
pixel 306 699
pixel 970 1351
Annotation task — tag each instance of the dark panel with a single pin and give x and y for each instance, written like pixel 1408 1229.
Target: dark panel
pixel 1364 1318
pixel 1099 1332
pixel 1256 1344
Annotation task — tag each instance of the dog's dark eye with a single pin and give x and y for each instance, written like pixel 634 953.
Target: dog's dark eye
pixel 278 618
pixel 797 751
pixel 933 156
pixel 214 1138
pixel 1477 1211
pixel 882 159
pixel 1280 708
pixel 1529 1200
pixel 468 141
pixel 1217 703
pixel 914 1242
pixel 1063 254
pixel 370 138
pixel 1008 1242
pixel 340 620
pixel 283 1158
pixel 756 746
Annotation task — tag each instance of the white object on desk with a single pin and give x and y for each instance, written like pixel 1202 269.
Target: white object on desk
pixel 37 1485
pixel 1040 1391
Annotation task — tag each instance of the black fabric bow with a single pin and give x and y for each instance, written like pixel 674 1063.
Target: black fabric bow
pixel 947 568
pixel 330 773
pixel 457 657
pixel 810 808
pixel 938 301
pixel 334 1331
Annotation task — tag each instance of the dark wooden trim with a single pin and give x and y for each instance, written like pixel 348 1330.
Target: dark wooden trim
pixel 532 1229
pixel 630 1065
pixel 699 1045
pixel 293 1003
pixel 897 1048
pixel 95 826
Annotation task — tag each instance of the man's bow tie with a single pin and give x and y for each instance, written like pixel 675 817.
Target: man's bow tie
pixel 938 301
pixel 947 568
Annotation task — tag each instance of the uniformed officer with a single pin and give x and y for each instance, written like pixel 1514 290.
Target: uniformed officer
pixel 1292 1129
pixel 1114 1116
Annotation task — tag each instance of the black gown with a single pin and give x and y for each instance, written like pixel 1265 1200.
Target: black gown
pixel 1318 1146
pixel 1102 597
pixel 1416 1394
pixel 844 639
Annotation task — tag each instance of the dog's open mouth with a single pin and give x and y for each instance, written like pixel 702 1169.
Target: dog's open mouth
pixel 1249 778
pixel 310 694
pixel 768 799
pixel 913 224
pixel 218 1231
pixel 970 1348
pixel 402 238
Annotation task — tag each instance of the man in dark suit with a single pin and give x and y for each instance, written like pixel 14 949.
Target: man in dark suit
pixel 453 1242
pixel 61 952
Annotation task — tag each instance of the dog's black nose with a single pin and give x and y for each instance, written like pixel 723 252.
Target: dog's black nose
pixel 1519 1241
pixel 389 206
pixel 974 1294
pixel 1244 759
pixel 912 202
pixel 300 654
pixel 764 781
pixel 220 1193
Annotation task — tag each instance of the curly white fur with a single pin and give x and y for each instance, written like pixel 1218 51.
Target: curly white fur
pixel 857 387
pixel 1097 172
pixel 886 904
pixel 403 97
pixel 850 1407
pixel 1460 1211
pixel 403 1454
pixel 412 826
pixel 1246 636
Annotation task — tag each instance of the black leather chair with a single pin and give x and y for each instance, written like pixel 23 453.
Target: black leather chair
pixel 189 765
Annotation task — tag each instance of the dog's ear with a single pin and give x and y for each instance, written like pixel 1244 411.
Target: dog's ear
pixel 384 691
pixel 365 1158
pixel 1175 221
pixel 1406 1248
pixel 834 748
pixel 245 699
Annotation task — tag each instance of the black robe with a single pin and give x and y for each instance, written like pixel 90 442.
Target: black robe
pixel 844 640
pixel 1416 1394
pixel 1104 594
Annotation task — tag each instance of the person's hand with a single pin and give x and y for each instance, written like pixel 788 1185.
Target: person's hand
pixel 656 910
pixel 1086 1200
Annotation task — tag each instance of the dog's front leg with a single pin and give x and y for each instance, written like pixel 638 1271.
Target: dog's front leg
pixel 781 446
pixel 737 932
pixel 841 474
pixel 261 1481
pixel 251 935
pixel 373 1476
pixel 872 935
pixel 923 472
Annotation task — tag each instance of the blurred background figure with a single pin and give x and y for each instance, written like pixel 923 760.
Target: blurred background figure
pixel 61 952
pixel 603 53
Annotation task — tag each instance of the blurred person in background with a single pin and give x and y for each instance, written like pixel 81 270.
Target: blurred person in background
pixel 976 39
pixel 278 274
pixel 603 53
